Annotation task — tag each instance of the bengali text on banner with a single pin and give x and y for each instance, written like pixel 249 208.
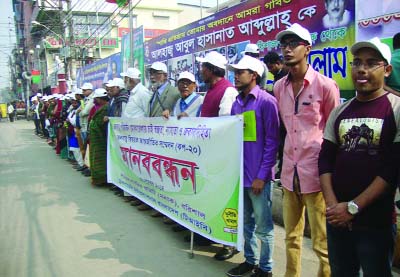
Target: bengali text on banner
pixel 190 170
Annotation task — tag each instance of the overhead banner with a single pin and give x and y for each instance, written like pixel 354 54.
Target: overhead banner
pixel 100 71
pixel 378 19
pixel 258 21
pixel 183 168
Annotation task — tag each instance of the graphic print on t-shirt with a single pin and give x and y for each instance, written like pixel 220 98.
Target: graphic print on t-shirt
pixel 360 134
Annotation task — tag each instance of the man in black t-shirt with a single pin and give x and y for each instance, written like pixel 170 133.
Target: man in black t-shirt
pixel 358 168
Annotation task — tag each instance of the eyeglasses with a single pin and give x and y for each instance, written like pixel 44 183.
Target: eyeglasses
pixel 156 72
pixel 369 65
pixel 292 44
pixel 184 83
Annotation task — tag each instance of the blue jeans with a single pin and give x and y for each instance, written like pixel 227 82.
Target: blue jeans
pixel 372 250
pixel 258 223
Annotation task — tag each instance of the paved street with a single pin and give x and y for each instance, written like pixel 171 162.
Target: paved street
pixel 53 223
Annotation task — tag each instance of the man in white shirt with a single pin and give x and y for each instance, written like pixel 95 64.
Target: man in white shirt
pixel 87 89
pixel 83 114
pixel 137 106
pixel 138 103
pixel 189 104
pixel 10 110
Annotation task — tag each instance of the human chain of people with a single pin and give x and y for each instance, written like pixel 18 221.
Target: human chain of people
pixel 145 157
pixel 208 119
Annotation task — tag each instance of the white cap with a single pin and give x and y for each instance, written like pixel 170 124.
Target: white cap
pixel 116 82
pixel 132 73
pixel 99 92
pixel 186 75
pixel 87 86
pixel 78 91
pixel 295 29
pixel 213 58
pixel 34 98
pixel 250 63
pixel 45 98
pixel 375 44
pixel 159 66
pixel 251 48
pixel 57 96
pixel 39 94
pixel 72 96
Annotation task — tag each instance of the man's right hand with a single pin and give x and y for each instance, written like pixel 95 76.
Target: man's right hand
pixel 166 114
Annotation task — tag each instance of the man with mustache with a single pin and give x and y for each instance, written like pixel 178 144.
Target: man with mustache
pixel 358 167
pixel 337 15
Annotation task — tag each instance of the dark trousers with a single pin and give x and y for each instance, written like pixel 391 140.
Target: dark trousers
pixel 37 126
pixel 43 126
pixel 370 250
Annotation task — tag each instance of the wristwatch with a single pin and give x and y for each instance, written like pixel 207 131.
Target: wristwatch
pixel 352 207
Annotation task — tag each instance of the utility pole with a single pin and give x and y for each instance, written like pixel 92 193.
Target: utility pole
pixel 71 43
pixel 130 63
pixel 98 23
pixel 62 17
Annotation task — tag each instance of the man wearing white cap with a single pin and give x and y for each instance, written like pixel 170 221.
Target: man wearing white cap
pixel 98 139
pixel 358 168
pixel 252 50
pixel 119 97
pixel 137 106
pixel 190 102
pixel 164 97
pixel 42 115
pixel 188 105
pixel 84 110
pixel 73 142
pixel 221 93
pixel 139 99
pixel 79 96
pixel 259 160
pixel 305 99
pixel 164 94
pixel 217 102
pixel 35 114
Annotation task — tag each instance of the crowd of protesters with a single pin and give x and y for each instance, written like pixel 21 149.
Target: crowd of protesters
pixel 337 162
